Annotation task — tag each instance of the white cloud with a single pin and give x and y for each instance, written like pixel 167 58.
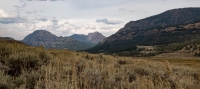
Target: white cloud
pixel 6 18
pixel 106 27
pixel 3 14
pixel 16 31
pixel 89 27
pixel 77 27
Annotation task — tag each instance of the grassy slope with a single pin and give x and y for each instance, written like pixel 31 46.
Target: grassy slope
pixel 62 69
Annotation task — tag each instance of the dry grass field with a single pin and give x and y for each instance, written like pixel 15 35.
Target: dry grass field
pixel 25 67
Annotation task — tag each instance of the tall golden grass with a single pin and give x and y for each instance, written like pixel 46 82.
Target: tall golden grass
pixel 38 68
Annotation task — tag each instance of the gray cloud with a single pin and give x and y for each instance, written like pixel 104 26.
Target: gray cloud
pixel 98 3
pixel 56 0
pixel 8 20
pixel 53 26
pixel 36 0
pixel 108 22
pixel 13 20
pixel 22 6
pixel 17 19
pixel 123 9
pixel 33 12
pixel 54 23
pixel 44 0
pixel 53 19
pixel 42 19
pixel 30 12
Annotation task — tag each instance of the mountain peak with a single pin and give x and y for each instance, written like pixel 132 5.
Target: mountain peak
pixel 42 32
pixel 95 37
pixel 92 38
pixel 96 32
pixel 40 35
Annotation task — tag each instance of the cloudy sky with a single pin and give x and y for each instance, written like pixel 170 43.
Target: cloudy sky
pixel 19 18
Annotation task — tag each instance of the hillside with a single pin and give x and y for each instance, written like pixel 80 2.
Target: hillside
pixel 49 40
pixel 6 38
pixel 91 39
pixel 27 67
pixel 10 40
pixel 162 29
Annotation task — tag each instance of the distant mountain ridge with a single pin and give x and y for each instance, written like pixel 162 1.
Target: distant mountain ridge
pixel 91 39
pixel 149 31
pixel 49 40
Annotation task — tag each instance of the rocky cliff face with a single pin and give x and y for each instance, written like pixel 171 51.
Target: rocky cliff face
pixel 48 40
pixel 91 39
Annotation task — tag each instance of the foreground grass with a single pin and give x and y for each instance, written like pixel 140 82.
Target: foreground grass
pixel 25 67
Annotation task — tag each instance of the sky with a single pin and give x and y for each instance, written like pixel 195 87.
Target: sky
pixel 18 18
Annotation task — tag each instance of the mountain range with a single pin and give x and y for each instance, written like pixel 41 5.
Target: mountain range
pixel 49 40
pixel 172 26
pixel 169 31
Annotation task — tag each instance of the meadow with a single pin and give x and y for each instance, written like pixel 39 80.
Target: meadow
pixel 26 67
